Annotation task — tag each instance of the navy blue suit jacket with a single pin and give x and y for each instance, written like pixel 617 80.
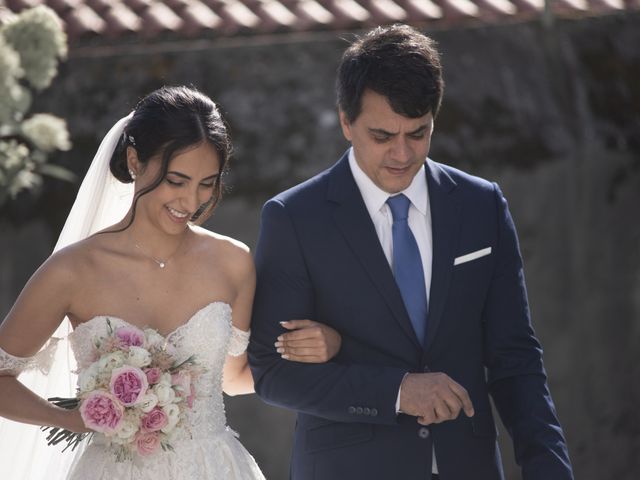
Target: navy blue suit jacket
pixel 318 257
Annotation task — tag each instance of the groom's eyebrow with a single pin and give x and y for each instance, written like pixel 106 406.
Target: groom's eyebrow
pixel 187 177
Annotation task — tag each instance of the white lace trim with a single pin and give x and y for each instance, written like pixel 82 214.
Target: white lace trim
pixel 238 342
pixel 14 366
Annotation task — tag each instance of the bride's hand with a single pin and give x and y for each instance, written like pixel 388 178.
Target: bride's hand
pixel 72 421
pixel 308 341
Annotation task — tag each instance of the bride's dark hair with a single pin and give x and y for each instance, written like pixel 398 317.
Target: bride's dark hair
pixel 166 122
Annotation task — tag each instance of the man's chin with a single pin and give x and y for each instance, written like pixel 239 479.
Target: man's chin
pixel 393 185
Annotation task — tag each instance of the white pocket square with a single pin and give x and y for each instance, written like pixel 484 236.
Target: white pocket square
pixel 472 256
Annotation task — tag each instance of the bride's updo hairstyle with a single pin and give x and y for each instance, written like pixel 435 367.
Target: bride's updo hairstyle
pixel 166 122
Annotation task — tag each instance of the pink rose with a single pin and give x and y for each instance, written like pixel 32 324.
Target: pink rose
pixel 147 442
pixel 153 375
pixel 128 384
pixel 130 336
pixel 155 420
pixel 101 412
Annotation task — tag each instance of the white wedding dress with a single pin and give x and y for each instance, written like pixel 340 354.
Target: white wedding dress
pixel 204 447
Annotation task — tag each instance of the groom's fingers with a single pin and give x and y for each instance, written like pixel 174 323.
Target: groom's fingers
pixel 463 396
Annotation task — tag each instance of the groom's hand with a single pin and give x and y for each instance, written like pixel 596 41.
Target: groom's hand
pixel 308 341
pixel 433 398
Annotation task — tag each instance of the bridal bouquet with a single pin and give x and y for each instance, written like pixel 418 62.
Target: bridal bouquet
pixel 135 392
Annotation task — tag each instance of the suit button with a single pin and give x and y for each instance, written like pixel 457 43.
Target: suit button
pixel 423 432
pixel 351 410
pixel 426 369
pixel 366 411
pixel 359 410
pixel 374 412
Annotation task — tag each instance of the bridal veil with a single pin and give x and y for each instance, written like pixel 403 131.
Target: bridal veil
pixel 101 201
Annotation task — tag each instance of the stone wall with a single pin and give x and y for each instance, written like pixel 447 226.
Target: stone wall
pixel 552 114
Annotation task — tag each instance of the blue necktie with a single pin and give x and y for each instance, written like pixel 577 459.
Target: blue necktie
pixel 407 266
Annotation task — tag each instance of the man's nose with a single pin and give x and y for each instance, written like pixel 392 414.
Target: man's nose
pixel 401 151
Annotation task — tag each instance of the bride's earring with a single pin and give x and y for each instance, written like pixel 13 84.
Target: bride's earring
pixel 132 174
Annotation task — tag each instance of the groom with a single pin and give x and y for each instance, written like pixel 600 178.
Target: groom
pixel 417 265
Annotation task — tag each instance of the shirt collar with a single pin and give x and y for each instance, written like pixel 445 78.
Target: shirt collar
pixel 375 198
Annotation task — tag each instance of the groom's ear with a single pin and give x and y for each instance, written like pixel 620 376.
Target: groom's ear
pixel 346 126
pixel 133 163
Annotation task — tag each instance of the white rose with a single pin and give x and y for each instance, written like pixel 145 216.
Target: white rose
pixel 165 393
pixel 111 361
pixel 165 378
pixel 127 429
pixel 138 357
pixel 148 402
pixel 87 378
pixel 172 411
pixel 119 440
pixel 153 338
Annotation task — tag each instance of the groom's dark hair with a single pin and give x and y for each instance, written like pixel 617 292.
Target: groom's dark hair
pixel 397 62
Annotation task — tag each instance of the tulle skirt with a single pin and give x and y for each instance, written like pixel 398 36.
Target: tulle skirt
pixel 220 456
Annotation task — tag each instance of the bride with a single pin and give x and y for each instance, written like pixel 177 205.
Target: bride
pixel 154 268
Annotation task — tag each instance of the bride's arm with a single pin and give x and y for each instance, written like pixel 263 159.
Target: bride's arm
pixel 306 340
pixel 237 378
pixel 34 317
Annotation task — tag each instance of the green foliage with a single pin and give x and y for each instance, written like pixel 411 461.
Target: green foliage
pixel 31 45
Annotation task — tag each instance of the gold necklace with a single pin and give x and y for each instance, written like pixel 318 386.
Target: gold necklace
pixel 161 263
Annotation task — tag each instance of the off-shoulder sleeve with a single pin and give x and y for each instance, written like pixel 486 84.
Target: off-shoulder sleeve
pixel 238 342
pixel 14 366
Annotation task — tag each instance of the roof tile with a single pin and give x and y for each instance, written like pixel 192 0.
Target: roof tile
pixel 421 9
pixel 121 19
pixel 82 21
pixel 198 16
pixel 314 11
pixel 387 11
pixel 86 19
pixel 159 17
pixel 239 16
pixel 274 15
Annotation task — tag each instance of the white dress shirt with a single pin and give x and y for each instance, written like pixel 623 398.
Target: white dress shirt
pixel 375 199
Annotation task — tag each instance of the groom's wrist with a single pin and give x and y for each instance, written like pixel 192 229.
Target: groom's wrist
pixel 398 410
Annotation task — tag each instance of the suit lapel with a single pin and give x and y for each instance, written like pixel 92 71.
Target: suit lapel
pixel 445 226
pixel 353 220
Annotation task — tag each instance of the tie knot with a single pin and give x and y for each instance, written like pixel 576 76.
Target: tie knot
pixel 399 205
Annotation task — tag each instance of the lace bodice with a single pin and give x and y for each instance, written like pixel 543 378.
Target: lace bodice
pixel 209 335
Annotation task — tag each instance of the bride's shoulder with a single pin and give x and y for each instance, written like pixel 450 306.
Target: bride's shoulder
pixel 224 248
pixel 62 267
pixel 217 241
pixel 79 255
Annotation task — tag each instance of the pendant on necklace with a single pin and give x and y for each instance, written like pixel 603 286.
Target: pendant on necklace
pixel 162 264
